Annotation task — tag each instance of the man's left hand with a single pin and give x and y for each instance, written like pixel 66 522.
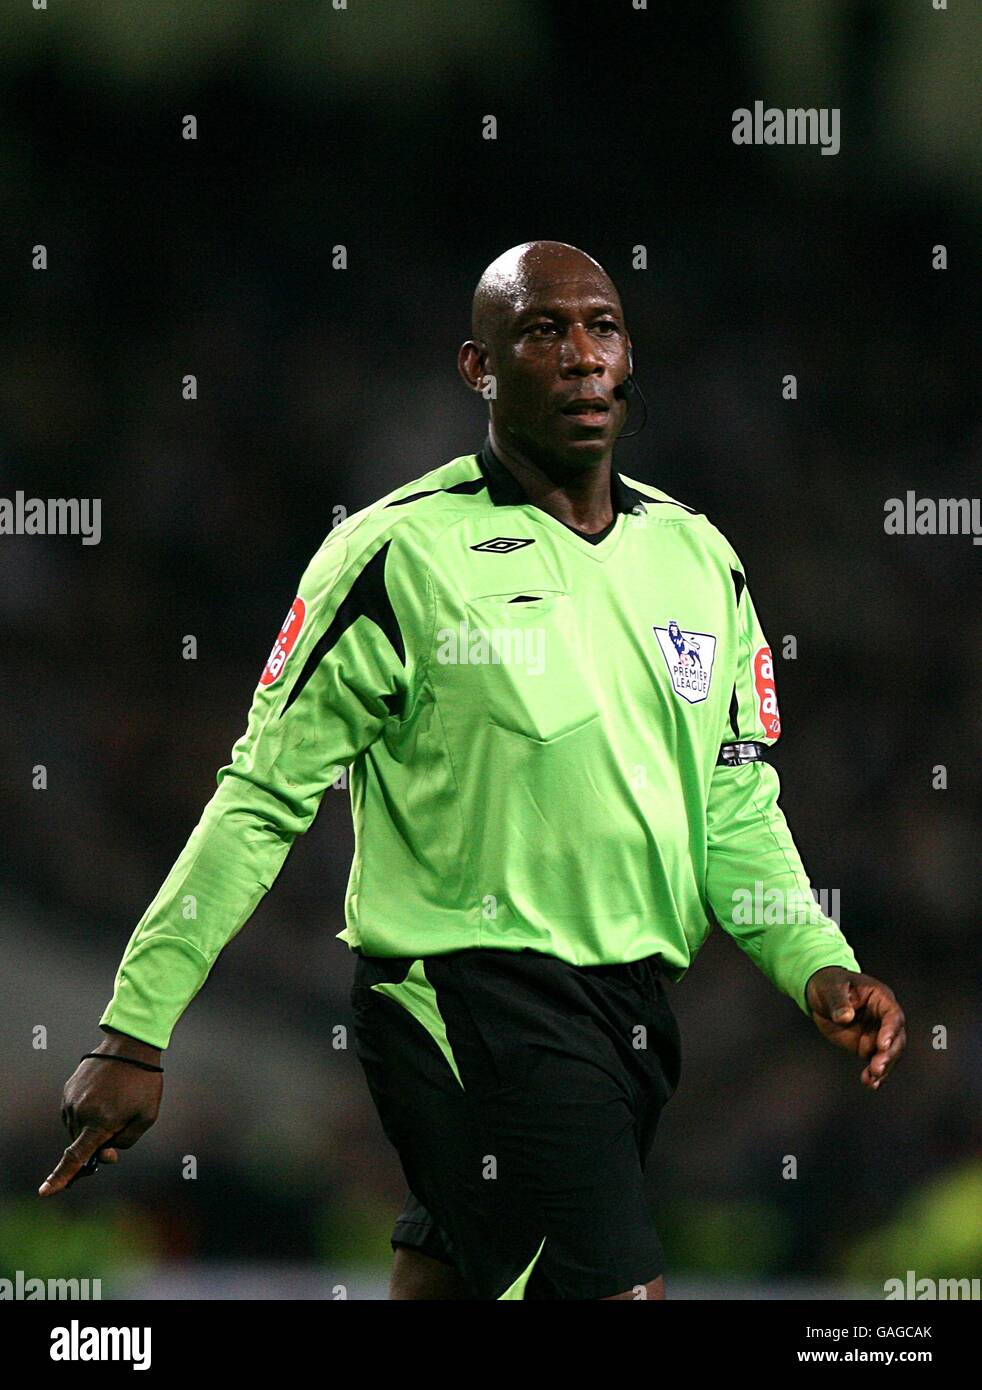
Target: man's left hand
pixel 860 1014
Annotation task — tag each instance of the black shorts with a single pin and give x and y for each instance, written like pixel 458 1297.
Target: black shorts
pixel 522 1095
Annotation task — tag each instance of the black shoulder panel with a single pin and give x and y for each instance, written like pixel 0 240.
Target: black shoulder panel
pixel 667 502
pixel 739 584
pixel 367 598
pixel 471 485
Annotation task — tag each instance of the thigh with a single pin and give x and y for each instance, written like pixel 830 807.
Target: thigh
pixel 415 1229
pixel 662 1061
pixel 430 1079
pixel 514 1120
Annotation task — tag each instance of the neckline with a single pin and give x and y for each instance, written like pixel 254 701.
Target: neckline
pixel 505 490
pixel 594 550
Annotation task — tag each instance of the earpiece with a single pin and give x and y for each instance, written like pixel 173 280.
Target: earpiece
pixel 627 387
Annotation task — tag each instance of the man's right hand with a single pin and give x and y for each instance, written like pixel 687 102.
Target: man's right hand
pixel 106 1101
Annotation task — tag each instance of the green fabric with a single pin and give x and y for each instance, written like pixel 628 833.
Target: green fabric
pixel 561 795
pixel 517 1289
pixel 416 994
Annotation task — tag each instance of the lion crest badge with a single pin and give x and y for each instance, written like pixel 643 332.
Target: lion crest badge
pixel 689 656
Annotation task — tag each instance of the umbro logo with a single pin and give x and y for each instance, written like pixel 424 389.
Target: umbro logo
pixel 502 544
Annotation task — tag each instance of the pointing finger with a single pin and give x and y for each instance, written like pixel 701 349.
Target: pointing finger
pixel 74 1159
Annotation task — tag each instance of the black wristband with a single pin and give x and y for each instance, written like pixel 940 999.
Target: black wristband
pixel 111 1057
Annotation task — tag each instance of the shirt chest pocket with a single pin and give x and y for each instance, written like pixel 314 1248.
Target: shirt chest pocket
pixel 529 662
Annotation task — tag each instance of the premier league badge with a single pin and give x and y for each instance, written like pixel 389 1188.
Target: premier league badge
pixel 690 658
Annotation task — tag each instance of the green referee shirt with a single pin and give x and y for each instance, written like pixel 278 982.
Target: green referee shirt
pixel 532 720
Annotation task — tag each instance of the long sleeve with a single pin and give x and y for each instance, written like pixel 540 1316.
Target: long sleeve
pixel 756 884
pixel 333 678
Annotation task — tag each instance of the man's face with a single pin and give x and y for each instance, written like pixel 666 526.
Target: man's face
pixel 558 351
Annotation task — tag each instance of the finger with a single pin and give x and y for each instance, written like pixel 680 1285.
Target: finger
pixel 856 1002
pixel 108 1155
pixel 883 1061
pixel 891 1033
pixel 891 1026
pixel 886 1059
pixel 838 1002
pixel 74 1159
pixel 873 1072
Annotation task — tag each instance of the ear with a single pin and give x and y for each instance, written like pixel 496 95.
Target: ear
pixel 471 361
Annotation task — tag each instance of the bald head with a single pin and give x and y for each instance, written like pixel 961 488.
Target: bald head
pixel 518 275
pixel 549 353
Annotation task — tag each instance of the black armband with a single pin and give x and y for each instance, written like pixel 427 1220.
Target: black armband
pixel 733 754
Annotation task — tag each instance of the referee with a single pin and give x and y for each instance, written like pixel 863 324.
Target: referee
pixel 556 700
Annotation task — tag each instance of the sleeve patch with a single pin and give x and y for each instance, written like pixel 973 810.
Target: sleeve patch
pixel 766 692
pixel 286 640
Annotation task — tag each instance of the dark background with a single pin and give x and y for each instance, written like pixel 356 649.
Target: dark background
pixel 321 389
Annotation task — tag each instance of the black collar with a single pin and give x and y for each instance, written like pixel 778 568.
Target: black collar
pixel 504 489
